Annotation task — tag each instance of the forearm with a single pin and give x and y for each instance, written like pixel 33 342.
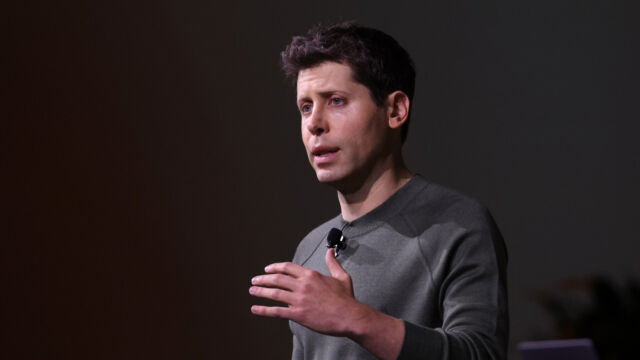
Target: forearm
pixel 380 334
pixel 387 337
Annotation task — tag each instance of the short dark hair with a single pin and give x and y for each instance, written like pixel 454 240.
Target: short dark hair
pixel 376 59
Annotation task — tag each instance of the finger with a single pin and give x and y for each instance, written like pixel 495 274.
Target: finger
pixel 289 268
pixel 334 266
pixel 272 311
pixel 278 295
pixel 275 280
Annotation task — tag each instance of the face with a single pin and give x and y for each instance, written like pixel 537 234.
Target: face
pixel 344 132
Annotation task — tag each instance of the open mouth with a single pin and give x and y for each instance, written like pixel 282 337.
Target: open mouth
pixel 324 154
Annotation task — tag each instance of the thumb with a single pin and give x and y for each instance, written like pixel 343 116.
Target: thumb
pixel 334 266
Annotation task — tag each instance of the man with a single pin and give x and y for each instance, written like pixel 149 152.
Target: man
pixel 423 271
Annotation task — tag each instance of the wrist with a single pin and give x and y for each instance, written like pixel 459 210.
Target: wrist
pixel 360 324
pixel 379 333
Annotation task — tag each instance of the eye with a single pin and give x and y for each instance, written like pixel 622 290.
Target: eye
pixel 305 109
pixel 337 101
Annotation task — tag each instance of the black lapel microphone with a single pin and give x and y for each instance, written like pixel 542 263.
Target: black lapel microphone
pixel 336 240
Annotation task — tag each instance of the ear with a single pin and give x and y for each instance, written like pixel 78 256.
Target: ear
pixel 398 104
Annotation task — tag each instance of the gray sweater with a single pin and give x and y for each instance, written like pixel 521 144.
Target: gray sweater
pixel 429 256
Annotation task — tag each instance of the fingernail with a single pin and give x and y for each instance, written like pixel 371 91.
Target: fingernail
pixel 252 290
pixel 254 280
pixel 267 268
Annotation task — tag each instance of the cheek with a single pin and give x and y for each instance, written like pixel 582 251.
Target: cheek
pixel 364 133
pixel 304 135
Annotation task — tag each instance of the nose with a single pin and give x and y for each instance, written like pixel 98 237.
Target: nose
pixel 316 123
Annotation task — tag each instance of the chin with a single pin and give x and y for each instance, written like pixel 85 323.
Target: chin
pixel 344 182
pixel 325 178
pixel 328 176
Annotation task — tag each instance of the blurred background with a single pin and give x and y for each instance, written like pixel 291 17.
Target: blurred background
pixel 151 163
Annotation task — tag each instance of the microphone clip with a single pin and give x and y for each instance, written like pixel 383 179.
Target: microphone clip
pixel 336 240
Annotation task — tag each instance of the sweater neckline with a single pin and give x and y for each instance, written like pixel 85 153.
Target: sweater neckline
pixel 390 207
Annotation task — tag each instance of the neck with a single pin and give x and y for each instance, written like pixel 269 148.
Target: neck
pixel 376 188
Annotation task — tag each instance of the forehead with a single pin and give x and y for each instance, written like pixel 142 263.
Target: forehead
pixel 325 77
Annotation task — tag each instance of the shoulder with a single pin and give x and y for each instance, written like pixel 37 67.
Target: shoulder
pixel 313 239
pixel 438 204
pixel 446 221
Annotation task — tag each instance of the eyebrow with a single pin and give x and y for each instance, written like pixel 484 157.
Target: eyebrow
pixel 323 94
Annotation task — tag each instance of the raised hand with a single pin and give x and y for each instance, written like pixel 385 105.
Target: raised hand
pixel 322 303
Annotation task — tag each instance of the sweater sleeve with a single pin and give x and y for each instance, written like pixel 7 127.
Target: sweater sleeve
pixel 473 302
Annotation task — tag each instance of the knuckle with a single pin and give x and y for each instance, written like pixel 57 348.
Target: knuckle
pixel 277 313
pixel 296 302
pixel 306 288
pixel 298 314
pixel 272 311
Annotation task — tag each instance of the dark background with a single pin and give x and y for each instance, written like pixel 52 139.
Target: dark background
pixel 151 160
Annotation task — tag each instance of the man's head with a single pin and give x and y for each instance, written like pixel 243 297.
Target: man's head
pixel 354 98
pixel 376 60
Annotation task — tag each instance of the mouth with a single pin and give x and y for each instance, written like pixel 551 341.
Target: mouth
pixel 324 154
